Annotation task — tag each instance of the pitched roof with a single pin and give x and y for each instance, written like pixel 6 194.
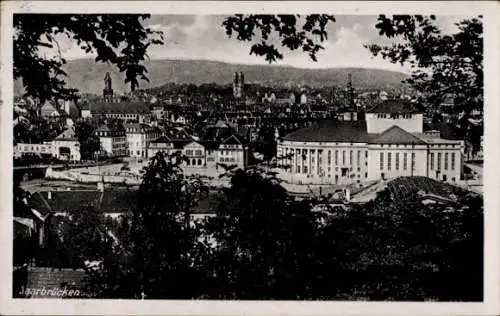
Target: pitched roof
pixel 113 201
pixel 132 107
pixel 162 140
pixel 393 106
pixel 209 144
pixel 48 106
pixel 68 134
pixel 396 135
pixel 331 131
pixel 109 128
pixel 232 140
pixel 137 127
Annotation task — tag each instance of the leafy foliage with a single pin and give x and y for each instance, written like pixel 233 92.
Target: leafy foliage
pixel 154 258
pixel 263 241
pixel 119 39
pixel 89 141
pixel 287 27
pixel 441 64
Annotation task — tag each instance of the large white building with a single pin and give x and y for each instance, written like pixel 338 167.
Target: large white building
pixel 389 143
pixel 113 141
pixel 139 136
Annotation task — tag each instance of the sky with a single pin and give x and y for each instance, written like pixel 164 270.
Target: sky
pixel 203 37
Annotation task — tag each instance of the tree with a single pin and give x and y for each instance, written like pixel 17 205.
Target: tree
pixel 89 141
pixel 155 258
pixel 288 29
pixel 119 39
pixel 262 241
pixel 441 64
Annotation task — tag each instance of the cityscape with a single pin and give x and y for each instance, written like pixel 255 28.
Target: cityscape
pixel 352 183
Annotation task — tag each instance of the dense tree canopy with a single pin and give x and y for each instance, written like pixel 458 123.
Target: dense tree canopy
pixel 441 64
pixel 89 141
pixel 291 32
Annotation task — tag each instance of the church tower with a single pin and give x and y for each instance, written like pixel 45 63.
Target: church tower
pixel 107 93
pixel 238 85
pixel 350 91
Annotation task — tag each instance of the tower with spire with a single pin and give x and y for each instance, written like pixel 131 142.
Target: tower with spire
pixel 350 91
pixel 238 85
pixel 107 93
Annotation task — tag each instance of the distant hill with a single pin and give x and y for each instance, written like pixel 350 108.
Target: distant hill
pixel 87 76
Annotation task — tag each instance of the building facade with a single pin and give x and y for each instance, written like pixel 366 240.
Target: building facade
pixel 44 148
pixel 232 152
pixel 388 144
pixel 66 146
pixel 113 141
pixel 138 138
pixel 161 144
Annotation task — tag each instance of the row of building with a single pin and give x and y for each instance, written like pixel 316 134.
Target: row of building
pixel 144 141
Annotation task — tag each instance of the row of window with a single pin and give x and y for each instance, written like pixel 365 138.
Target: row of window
pixel 447 162
pixel 228 159
pixel 397 160
pixel 111 134
pixel 127 115
pixel 394 115
pixel 344 172
pixel 34 148
pixel 197 152
pixel 353 155
pixel 194 162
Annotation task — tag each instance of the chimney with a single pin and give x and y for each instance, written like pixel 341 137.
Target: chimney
pixel 347 194
pixel 100 186
pixel 41 234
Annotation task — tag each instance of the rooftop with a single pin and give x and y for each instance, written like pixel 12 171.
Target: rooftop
pixel 331 131
pixel 68 134
pixel 394 107
pixel 396 135
pixel 112 201
pixel 129 107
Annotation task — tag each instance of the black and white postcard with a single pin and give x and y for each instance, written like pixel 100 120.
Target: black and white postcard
pixel 233 158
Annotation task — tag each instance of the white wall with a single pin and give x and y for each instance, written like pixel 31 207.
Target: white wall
pixel 332 170
pixel 73 145
pixel 448 172
pixel 24 148
pixel 107 145
pixel 378 125
pixel 375 173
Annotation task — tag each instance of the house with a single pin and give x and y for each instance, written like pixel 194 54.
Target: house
pixel 48 110
pixel 136 111
pixel 138 138
pixel 113 141
pixel 232 151
pixel 85 112
pixel 66 146
pixel 195 154
pixel 161 144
